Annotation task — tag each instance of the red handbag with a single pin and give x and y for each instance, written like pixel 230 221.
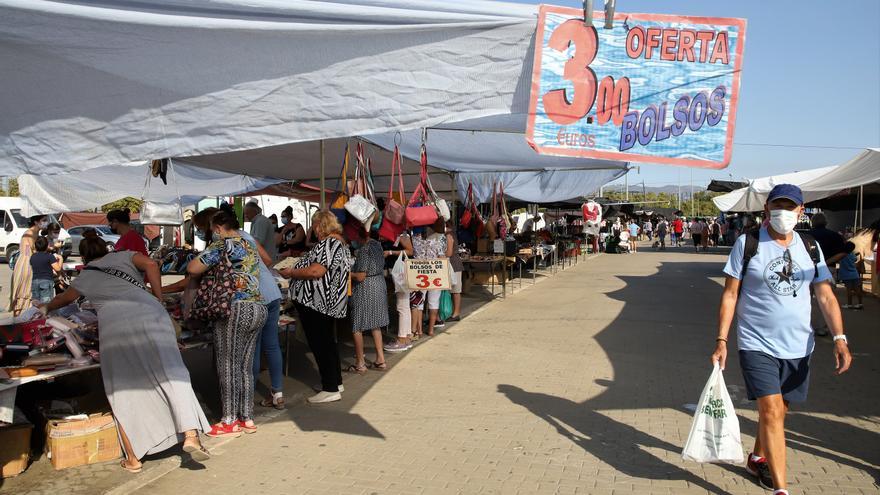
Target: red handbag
pixel 421 216
pixel 467 216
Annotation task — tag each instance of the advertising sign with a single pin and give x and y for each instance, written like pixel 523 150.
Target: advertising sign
pixel 655 88
pixel 430 274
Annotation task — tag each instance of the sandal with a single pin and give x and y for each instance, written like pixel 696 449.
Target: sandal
pixel 131 469
pixel 380 366
pixel 360 370
pixel 198 452
pixel 276 401
pixel 243 426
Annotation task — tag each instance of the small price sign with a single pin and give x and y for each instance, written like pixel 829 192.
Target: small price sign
pixel 431 274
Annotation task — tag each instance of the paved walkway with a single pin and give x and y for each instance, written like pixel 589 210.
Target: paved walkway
pixel 576 385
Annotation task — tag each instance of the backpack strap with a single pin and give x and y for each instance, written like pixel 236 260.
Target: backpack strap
pixel 813 249
pixel 750 250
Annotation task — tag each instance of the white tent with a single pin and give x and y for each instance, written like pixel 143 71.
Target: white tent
pixel 90 84
pixel 753 196
pixel 92 188
pixel 816 184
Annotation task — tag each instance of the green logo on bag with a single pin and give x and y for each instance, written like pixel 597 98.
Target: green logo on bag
pixel 715 408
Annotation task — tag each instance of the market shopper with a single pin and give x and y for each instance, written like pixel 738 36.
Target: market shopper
pixel 369 301
pixel 129 239
pixel 696 229
pixel 662 230
pixel 456 268
pixel 677 231
pixel 44 266
pixel 292 236
pixel 22 273
pixel 267 341
pixel 403 343
pixel 147 384
pixel 850 274
pixel 320 285
pixel 261 227
pixel 432 245
pixel 634 233
pixel 767 289
pixel 235 337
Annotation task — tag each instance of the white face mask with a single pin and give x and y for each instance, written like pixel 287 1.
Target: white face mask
pixel 284 220
pixel 783 221
pixel 43 224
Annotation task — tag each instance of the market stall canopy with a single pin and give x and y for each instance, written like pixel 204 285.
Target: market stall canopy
pixel 753 197
pixel 550 186
pixel 816 184
pixel 98 186
pixel 91 84
pixel 725 185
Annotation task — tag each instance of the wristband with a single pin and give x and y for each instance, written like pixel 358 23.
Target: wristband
pixel 840 337
pixel 721 339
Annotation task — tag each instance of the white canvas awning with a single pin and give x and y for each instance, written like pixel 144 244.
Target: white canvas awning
pixel 815 184
pixel 92 188
pixel 89 84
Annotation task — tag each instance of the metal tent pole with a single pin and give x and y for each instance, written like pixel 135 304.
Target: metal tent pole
pixel 323 179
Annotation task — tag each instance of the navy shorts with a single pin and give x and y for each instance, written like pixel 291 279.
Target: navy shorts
pixel 767 375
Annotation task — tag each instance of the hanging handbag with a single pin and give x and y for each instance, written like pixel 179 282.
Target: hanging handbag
pixel 359 205
pixel 467 216
pixel 504 221
pixel 426 214
pixel 492 224
pixel 158 213
pixel 395 211
pixel 213 298
pixel 337 206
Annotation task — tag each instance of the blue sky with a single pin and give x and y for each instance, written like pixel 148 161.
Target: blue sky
pixel 811 76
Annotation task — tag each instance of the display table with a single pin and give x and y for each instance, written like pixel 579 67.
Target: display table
pixel 9 387
pixel 489 264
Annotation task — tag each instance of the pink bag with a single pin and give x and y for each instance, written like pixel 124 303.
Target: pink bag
pixel 394 211
pixel 426 214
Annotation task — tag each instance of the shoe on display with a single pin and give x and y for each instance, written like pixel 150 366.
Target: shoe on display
pixel 325 397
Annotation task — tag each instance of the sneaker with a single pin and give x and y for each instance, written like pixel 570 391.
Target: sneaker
pixel 454 318
pixel 439 324
pixel 325 397
pixel 397 347
pixel 760 469
pixel 318 388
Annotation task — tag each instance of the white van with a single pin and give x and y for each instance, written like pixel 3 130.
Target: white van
pixel 14 226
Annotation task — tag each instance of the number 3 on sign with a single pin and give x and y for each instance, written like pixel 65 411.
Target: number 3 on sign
pixel 557 104
pixel 423 282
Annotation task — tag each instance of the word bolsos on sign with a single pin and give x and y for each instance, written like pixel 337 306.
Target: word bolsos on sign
pixel 427 274
pixel 655 88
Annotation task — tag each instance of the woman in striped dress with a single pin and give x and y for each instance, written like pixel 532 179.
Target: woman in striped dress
pixel 20 296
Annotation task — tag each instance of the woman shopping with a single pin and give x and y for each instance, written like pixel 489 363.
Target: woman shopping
pixel 432 246
pixel 20 296
pixel 320 290
pixel 145 380
pixel 369 302
pixel 235 337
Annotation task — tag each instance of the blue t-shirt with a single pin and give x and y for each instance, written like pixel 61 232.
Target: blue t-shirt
pixel 846 270
pixel 773 312
pixel 633 229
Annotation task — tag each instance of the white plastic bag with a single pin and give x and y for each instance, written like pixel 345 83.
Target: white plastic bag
pixel 398 273
pixel 714 433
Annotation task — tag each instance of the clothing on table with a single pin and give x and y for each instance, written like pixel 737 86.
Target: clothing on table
pixel 41 266
pixel 145 380
pixel 329 294
pixel 245 264
pixel 234 341
pixel 22 276
pixel 847 270
pixel 369 299
pixel 318 328
pixel 773 312
pixel 264 232
pixel 132 241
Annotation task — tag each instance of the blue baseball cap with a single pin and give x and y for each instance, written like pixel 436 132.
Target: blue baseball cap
pixel 786 191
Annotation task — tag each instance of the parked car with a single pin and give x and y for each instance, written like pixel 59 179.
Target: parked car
pixel 104 232
pixel 14 226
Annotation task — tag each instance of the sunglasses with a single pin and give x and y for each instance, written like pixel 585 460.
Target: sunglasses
pixel 789 267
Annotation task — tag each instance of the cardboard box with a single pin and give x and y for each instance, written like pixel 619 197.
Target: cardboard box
pixel 15 453
pixel 483 246
pixel 485 278
pixel 86 441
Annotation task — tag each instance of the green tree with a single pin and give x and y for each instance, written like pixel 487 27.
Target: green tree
pixel 132 204
pixel 11 188
pixel 701 205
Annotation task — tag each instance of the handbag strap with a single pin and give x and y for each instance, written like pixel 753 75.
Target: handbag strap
pixel 396 164
pixel 343 177
pixel 494 199
pixel 120 274
pixel 503 203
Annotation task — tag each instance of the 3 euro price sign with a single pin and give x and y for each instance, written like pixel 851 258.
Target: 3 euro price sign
pixel 655 88
pixel 431 274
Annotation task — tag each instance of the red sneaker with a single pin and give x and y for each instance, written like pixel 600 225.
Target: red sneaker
pixel 242 425
pixel 224 430
pixel 761 470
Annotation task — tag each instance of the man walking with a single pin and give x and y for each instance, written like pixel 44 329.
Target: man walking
pixel 771 270
pixel 677 231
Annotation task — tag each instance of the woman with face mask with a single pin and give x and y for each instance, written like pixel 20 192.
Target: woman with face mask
pixel 20 297
pixel 292 237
